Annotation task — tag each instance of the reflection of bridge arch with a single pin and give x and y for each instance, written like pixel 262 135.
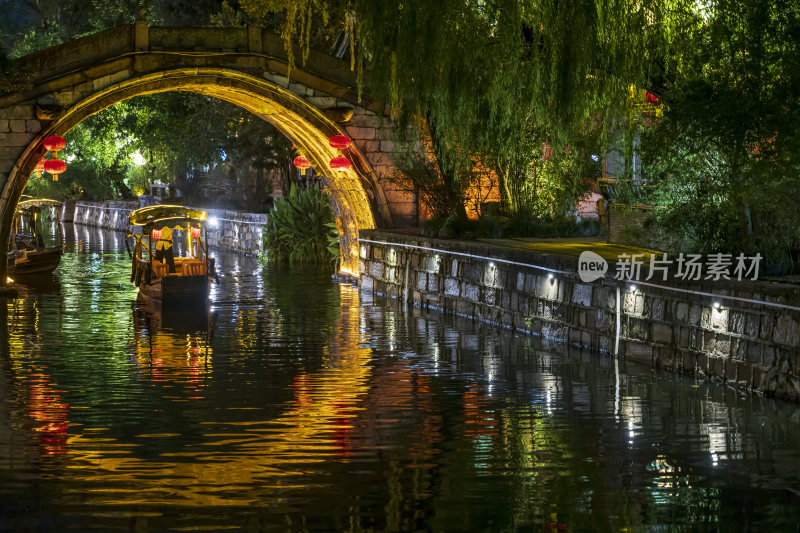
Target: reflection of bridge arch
pixel 240 65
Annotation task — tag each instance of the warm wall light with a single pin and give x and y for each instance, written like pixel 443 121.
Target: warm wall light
pixel 156 234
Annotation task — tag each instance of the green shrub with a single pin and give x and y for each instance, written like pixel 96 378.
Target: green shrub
pixel 301 229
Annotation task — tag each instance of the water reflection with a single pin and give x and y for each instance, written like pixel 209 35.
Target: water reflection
pixel 293 403
pixel 175 341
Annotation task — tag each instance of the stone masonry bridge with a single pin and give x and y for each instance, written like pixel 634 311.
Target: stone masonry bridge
pixel 64 85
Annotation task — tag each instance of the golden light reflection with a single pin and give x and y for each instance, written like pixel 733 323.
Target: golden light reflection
pixel 49 412
pixel 315 427
pixel 184 357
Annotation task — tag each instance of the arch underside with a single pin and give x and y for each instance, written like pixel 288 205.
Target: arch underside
pixel 299 121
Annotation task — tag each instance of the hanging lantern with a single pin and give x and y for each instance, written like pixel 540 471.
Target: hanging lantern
pixel 155 234
pixel 340 141
pixel 302 163
pixel 54 143
pixel 340 163
pixel 39 167
pixel 195 232
pixel 55 167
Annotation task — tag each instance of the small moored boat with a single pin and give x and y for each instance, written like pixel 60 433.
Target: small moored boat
pixel 160 275
pixel 31 249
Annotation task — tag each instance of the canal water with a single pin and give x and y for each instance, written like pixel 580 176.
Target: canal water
pixel 298 404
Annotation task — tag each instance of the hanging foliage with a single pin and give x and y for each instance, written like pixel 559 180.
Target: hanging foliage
pixel 298 25
pixel 480 76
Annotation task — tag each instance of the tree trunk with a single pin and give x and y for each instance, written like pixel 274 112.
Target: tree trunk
pixel 506 199
pixel 455 200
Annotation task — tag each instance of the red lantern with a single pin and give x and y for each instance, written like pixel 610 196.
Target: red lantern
pixel 55 166
pixel 156 234
pixel 340 141
pixel 39 167
pixel 195 232
pixel 340 163
pixel 302 163
pixel 54 143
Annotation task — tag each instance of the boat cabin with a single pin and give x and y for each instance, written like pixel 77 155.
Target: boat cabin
pixel 170 261
pixel 36 243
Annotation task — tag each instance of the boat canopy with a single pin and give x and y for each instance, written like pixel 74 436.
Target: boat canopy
pixel 30 203
pixel 167 215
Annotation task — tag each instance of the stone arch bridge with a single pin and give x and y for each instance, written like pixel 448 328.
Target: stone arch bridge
pixel 59 87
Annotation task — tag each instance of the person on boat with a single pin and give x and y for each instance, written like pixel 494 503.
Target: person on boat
pixel 164 248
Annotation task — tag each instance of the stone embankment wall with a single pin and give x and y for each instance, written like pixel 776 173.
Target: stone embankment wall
pixel 236 232
pixel 110 215
pixel 747 344
pixel 233 232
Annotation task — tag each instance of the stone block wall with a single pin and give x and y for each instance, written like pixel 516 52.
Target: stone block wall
pixel 111 215
pixel 747 344
pixel 623 225
pixel 234 231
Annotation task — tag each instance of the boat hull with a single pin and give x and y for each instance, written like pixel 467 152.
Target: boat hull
pixel 176 290
pixel 35 262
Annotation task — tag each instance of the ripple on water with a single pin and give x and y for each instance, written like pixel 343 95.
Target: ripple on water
pixel 294 403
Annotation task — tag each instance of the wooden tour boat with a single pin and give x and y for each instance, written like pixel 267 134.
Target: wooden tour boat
pixel 156 230
pixel 31 249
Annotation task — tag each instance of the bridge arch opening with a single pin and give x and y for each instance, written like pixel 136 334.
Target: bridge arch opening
pixel 302 123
